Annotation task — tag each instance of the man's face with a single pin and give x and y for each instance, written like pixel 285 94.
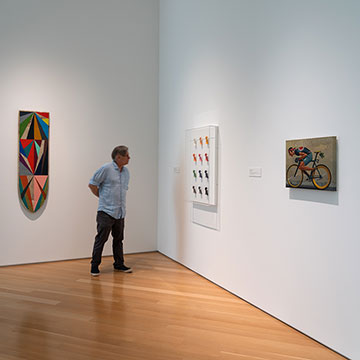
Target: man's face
pixel 122 160
pixel 291 152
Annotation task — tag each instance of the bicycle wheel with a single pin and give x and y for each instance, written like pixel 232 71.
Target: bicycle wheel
pixel 294 178
pixel 321 177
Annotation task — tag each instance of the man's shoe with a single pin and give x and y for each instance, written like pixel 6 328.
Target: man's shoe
pixel 95 270
pixel 122 268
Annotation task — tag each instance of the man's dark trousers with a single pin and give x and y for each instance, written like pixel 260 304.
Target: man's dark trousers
pixel 105 225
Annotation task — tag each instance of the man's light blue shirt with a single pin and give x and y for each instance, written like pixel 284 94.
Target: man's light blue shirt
pixel 113 185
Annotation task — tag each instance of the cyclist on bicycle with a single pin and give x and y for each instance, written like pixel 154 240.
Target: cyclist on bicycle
pixel 304 157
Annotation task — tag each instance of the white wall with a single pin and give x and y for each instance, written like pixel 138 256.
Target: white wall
pixel 94 66
pixel 265 72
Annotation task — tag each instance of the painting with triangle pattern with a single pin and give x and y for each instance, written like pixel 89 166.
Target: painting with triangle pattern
pixel 33 158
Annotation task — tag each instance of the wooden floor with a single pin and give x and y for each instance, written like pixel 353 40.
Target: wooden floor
pixel 160 311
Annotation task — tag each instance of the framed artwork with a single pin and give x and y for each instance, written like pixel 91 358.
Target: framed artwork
pixel 311 163
pixel 33 158
pixel 201 154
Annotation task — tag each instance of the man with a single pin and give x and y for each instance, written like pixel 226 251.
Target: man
pixel 110 184
pixel 305 157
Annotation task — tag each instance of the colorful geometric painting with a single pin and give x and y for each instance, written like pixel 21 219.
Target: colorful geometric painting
pixel 33 158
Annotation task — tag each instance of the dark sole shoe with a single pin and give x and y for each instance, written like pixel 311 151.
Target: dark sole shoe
pixel 124 270
pixel 94 270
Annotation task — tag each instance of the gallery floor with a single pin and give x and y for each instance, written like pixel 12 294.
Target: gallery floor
pixel 160 311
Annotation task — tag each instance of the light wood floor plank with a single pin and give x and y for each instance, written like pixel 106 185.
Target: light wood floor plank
pixel 13 296
pixel 161 311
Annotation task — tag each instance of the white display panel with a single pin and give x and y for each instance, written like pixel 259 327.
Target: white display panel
pixel 201 159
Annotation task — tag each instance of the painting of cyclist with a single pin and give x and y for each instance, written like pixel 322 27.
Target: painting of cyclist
pixel 304 156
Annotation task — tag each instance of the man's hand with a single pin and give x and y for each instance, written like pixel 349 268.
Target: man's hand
pixel 94 189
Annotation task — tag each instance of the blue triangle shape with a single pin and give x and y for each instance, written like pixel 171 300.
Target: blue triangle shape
pixel 43 125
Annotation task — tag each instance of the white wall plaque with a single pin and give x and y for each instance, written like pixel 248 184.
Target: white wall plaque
pixel 255 172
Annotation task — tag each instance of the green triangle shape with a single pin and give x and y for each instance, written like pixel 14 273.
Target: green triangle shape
pixel 37 147
pixel 20 186
pixel 24 124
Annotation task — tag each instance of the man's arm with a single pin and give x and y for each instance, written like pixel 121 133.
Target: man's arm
pixel 303 155
pixel 94 189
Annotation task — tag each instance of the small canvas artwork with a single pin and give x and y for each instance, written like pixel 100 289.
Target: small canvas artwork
pixel 311 163
pixel 33 158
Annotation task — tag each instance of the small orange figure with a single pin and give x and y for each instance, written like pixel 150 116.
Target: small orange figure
pixel 194 156
pixel 207 140
pixel 201 141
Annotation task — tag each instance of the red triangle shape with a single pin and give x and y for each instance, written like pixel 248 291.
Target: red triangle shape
pixel 25 142
pixel 31 158
pixel 44 114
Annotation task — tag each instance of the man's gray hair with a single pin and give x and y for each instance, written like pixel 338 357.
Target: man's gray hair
pixel 119 150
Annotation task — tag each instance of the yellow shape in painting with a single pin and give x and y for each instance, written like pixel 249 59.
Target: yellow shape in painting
pixel 46 120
